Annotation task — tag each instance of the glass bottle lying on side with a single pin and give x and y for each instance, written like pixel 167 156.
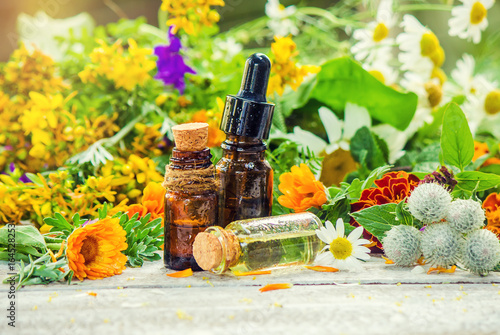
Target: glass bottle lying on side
pixel 257 244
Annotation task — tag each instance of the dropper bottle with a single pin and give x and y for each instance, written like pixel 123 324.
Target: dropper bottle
pixel 245 176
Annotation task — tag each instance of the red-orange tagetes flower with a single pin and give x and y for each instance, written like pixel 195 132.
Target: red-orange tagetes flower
pixel 301 190
pixel 152 202
pixel 94 250
pixel 391 188
pixel 491 206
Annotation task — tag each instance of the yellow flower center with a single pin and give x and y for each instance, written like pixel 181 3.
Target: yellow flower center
pixel 380 32
pixel 439 74
pixel 492 102
pixel 341 248
pixel 428 44
pixel 478 13
pixel 437 56
pixel 377 74
pixel 90 249
pixel 435 93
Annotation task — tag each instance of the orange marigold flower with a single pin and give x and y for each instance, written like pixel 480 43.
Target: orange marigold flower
pixel 301 190
pixel 152 202
pixel 94 250
pixel 480 149
pixel 393 187
pixel 491 206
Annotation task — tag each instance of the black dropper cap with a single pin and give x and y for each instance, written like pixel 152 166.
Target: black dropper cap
pixel 248 113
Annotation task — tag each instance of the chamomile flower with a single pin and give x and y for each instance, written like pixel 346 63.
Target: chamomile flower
pixel 428 90
pixel 463 76
pixel 374 42
pixel 469 19
pixel 280 22
pixel 484 107
pixel 342 252
pixel 421 51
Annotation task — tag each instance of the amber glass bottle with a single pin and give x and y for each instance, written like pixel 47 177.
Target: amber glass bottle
pixel 190 203
pixel 245 177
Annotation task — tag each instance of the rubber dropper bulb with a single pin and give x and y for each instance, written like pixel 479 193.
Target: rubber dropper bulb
pixel 255 78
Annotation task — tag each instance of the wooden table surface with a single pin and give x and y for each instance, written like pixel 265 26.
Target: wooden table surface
pixel 381 299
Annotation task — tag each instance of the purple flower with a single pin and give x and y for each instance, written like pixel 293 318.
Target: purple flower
pixel 12 169
pixel 170 64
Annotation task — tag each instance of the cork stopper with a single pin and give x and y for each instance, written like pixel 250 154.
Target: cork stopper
pixel 207 249
pixel 191 136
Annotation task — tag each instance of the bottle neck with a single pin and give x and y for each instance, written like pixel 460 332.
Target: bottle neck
pixel 247 146
pixel 229 246
pixel 190 160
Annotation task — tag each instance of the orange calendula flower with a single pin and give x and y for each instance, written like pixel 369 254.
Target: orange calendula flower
pixel 491 206
pixel 301 190
pixel 152 202
pixel 94 250
pixel 393 187
pixel 272 287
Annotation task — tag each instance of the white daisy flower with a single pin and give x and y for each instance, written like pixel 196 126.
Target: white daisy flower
pixel 421 51
pixel 466 83
pixel 280 23
pixel 467 21
pixel 484 107
pixel 428 90
pixel 382 71
pixel 342 252
pixel 374 42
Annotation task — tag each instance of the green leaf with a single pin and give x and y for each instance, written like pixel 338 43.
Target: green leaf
pixel 377 220
pixel 457 144
pixel 365 148
pixel 477 181
pixel 343 80
pixel 24 236
pixel 35 179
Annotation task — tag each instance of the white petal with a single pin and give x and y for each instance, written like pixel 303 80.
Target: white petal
pixel 355 234
pixel 340 227
pixel 355 117
pixel 325 258
pixel 332 124
pixel 362 256
pixel 331 231
pixel 321 235
pixel 361 241
pixel 361 249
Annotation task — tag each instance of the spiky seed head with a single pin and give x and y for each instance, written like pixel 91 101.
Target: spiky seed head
pixel 429 202
pixel 442 245
pixel 482 252
pixel 465 215
pixel 402 245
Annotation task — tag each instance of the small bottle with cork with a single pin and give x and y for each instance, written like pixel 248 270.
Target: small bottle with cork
pixel 245 176
pixel 191 199
pixel 257 244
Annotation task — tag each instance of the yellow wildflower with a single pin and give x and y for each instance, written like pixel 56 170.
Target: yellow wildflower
pixel 284 70
pixel 125 70
pixel 191 15
pixel 26 72
pixel 147 140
